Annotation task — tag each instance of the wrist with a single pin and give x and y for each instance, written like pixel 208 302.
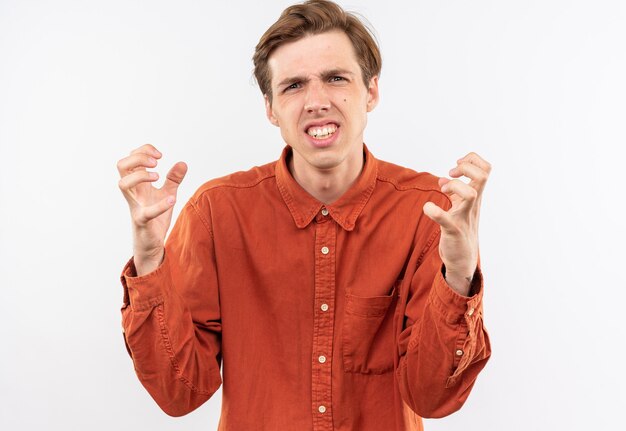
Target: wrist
pixel 460 282
pixel 146 264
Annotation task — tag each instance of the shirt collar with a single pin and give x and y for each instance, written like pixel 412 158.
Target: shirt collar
pixel 344 211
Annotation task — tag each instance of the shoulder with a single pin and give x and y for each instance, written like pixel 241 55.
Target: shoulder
pixel 242 180
pixel 403 178
pixel 422 185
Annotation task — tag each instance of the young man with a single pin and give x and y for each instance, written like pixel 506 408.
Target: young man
pixel 338 292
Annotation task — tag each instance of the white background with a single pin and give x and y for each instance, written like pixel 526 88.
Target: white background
pixel 535 86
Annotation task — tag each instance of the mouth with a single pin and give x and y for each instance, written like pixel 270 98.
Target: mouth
pixel 321 132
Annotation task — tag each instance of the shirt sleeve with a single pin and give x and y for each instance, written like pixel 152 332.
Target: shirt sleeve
pixel 443 344
pixel 171 318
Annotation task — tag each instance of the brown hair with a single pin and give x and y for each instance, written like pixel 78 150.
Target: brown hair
pixel 310 18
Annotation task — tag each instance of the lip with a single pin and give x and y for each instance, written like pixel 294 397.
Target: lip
pixel 320 123
pixel 322 143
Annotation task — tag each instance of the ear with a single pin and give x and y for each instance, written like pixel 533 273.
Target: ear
pixel 270 112
pixel 372 94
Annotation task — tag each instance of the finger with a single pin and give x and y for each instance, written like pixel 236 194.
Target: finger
pixel 475 159
pixel 476 174
pixel 438 215
pixel 443 181
pixel 131 180
pixel 174 177
pixel 134 162
pixel 148 149
pixel 148 213
pixel 458 187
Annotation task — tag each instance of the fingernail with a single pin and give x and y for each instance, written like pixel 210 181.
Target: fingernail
pixel 171 200
pixel 151 160
pixel 153 175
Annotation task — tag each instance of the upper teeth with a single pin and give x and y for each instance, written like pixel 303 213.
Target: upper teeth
pixel 322 132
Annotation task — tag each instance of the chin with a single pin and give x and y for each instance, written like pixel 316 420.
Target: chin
pixel 326 160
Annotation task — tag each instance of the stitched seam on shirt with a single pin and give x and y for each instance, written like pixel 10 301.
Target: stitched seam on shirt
pixel 290 202
pixel 238 186
pixel 461 337
pixel 170 353
pixel 411 187
pixel 460 363
pixel 439 304
pixel 365 197
pixel 148 304
pixel 194 202
pixel 415 338
pixel 429 243
pixel 204 221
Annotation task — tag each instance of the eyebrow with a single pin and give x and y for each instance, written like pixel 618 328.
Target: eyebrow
pixel 325 75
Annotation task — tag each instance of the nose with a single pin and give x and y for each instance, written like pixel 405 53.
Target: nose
pixel 317 99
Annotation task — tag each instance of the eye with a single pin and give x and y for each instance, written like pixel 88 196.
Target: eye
pixel 337 79
pixel 293 86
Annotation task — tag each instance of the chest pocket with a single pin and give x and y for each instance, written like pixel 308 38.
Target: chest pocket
pixel 368 339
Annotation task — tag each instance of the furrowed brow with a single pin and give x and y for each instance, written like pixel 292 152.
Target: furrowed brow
pixel 335 72
pixel 291 80
pixel 324 75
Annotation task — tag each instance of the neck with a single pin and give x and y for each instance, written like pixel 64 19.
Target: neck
pixel 326 185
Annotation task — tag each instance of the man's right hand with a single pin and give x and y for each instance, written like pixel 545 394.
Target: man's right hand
pixel 150 208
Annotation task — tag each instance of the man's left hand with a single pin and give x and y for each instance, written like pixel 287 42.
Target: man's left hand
pixel 458 246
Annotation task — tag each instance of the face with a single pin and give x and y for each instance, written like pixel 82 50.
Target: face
pixel 320 101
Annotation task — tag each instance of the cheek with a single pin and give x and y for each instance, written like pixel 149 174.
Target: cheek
pixel 288 127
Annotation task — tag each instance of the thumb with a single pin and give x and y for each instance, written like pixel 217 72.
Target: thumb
pixel 174 177
pixel 436 214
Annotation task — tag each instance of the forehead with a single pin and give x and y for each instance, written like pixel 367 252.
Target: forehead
pixel 312 55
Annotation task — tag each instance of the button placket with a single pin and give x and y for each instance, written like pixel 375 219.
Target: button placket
pixel 323 323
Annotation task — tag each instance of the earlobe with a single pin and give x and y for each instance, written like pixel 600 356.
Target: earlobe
pixel 372 94
pixel 269 112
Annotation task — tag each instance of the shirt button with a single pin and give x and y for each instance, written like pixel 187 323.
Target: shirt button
pixel 322 359
pixel 325 250
pixel 324 212
pixel 324 307
pixel 470 311
pixel 322 409
pixel 459 352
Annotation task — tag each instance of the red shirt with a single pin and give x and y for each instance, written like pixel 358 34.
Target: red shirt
pixel 323 317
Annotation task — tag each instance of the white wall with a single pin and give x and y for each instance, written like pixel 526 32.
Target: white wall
pixel 535 86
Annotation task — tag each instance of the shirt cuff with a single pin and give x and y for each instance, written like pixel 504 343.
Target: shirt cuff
pixel 145 291
pixel 452 305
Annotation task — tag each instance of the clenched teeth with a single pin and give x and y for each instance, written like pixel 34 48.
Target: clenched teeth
pixel 322 132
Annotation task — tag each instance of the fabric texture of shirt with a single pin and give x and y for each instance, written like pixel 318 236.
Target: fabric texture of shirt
pixel 320 317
